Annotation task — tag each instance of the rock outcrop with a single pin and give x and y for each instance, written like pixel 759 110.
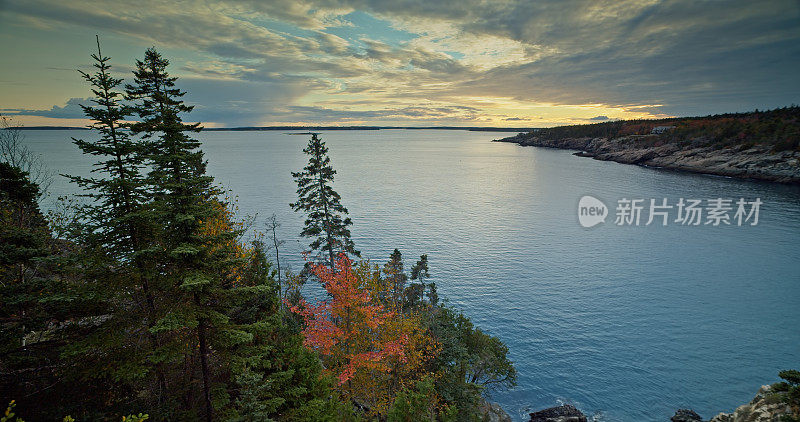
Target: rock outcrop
pixel 745 161
pixel 492 412
pixel 765 407
pixel 563 413
pixel 686 415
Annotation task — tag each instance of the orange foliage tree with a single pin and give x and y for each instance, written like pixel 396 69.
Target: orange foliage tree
pixel 374 351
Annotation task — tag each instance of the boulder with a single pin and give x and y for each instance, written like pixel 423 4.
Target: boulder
pixel 686 415
pixel 563 413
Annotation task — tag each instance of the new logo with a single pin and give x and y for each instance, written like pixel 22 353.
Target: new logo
pixel 591 211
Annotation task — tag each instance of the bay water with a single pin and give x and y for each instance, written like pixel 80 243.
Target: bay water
pixel 628 323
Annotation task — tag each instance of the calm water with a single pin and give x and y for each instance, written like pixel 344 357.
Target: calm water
pixel 627 323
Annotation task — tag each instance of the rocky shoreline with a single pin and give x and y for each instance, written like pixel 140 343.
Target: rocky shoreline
pixel 766 406
pixel 745 161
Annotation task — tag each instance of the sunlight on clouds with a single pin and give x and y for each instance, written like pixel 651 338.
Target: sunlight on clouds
pixel 216 68
pixel 614 9
pixel 510 63
pixel 479 52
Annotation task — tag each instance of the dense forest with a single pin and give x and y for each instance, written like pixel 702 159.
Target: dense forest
pixel 148 297
pixel 778 128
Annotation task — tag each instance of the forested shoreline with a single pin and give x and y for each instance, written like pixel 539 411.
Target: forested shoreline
pixel 759 145
pixel 148 297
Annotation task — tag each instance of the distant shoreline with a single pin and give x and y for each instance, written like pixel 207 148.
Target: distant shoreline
pixel 757 145
pixel 750 162
pixel 307 128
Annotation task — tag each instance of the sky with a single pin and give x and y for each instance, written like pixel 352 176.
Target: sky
pixel 506 63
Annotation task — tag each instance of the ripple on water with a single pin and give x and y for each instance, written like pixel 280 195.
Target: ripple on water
pixel 627 324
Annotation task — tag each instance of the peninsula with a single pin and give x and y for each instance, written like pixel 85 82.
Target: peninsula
pixel 759 145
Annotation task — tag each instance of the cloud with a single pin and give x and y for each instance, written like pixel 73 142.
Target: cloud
pixel 414 114
pixel 256 62
pixel 233 102
pixel 71 110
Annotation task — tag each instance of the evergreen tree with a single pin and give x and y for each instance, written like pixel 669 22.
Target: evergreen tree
pixel 326 222
pixel 117 235
pixel 218 292
pixel 23 241
pixel 41 300
pixel 115 217
pixel 275 376
pixel 184 199
pixel 433 295
pixel 419 272
pixel 395 277
pixel 24 228
pixel 419 404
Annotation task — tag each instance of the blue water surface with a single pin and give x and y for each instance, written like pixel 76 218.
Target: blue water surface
pixel 626 323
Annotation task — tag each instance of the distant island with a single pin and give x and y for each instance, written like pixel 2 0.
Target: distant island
pixel 759 145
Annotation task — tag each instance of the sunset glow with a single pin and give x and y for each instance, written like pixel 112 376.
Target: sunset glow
pixel 412 63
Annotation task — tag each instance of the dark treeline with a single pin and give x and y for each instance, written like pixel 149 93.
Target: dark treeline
pixel 146 299
pixel 778 128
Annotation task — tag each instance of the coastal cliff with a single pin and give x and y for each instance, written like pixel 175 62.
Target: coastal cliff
pixel 759 162
pixel 761 145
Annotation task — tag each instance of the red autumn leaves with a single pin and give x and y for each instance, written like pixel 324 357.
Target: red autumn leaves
pixel 347 328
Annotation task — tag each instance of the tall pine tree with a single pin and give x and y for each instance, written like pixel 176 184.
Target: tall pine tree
pixel 326 219
pixel 396 278
pixel 119 192
pixel 116 232
pixel 193 265
pixel 219 313
pixel 419 272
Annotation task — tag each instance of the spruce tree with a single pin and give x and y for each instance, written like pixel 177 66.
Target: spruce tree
pixel 221 293
pixel 42 295
pixel 115 214
pixel 117 235
pixel 326 219
pixel 23 241
pixel 419 272
pixel 275 374
pixel 203 257
pixel 183 199
pixel 396 277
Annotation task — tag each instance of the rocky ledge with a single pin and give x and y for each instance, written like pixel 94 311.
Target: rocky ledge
pixel 745 161
pixel 766 406
pixel 563 413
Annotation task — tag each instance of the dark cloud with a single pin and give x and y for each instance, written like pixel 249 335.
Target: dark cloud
pixel 599 118
pixel 71 110
pixel 677 57
pixel 239 103
pixel 689 56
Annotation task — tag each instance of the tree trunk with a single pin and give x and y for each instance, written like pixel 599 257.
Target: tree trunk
pixel 201 333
